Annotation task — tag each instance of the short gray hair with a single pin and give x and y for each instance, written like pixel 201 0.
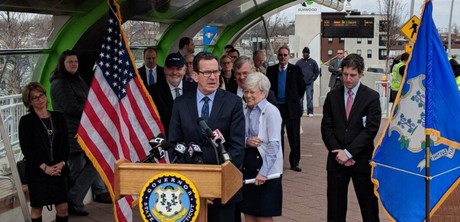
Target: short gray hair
pixel 241 60
pixel 257 79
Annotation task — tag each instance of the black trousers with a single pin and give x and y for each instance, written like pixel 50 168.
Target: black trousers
pixel 337 193
pixel 393 96
pixel 293 134
pixel 221 213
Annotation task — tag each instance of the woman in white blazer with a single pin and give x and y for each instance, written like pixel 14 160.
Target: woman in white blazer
pixel 263 154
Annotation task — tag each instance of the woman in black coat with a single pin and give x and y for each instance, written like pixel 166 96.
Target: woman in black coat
pixel 45 145
pixel 69 93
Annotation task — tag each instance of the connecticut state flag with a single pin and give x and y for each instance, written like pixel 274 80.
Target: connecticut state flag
pixel 428 103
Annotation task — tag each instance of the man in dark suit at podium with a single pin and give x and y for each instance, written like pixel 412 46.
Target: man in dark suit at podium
pixel 165 92
pixel 150 72
pixel 221 110
pixel 351 119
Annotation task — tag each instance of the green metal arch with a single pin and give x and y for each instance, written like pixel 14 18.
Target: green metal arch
pixel 68 36
pixel 175 30
pixel 230 31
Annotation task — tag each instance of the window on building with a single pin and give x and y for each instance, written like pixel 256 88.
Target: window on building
pixel 382 54
pixel 369 41
pixel 358 51
pixel 369 53
pixel 358 40
pixel 383 40
pixel 329 52
pixel 342 40
pixel 383 25
pixel 329 40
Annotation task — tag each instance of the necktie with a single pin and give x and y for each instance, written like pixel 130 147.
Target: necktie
pixel 205 109
pixel 151 77
pixel 177 91
pixel 349 102
pixel 282 68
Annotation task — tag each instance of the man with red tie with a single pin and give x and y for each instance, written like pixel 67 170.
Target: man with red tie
pixel 351 119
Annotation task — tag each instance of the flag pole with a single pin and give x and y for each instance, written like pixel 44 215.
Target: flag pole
pixel 427 178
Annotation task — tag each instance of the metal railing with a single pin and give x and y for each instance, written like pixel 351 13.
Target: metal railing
pixel 11 110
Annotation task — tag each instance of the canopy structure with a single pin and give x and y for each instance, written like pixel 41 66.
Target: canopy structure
pixel 78 23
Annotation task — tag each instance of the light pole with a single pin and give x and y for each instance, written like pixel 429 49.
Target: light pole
pixel 450 29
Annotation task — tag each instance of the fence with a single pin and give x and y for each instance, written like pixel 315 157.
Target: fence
pixel 11 110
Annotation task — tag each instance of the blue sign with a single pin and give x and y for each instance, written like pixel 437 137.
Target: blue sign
pixel 209 32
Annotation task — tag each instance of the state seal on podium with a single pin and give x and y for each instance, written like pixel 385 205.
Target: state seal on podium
pixel 168 197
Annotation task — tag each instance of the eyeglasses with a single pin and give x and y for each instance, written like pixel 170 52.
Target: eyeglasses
pixel 282 54
pixel 35 98
pixel 210 72
pixel 339 53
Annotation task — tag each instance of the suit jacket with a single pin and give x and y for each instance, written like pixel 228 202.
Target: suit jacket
pixel 295 87
pixel 226 115
pixel 160 75
pixel 163 99
pixel 336 72
pixel 355 134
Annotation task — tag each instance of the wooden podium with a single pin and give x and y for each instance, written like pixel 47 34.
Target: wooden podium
pixel 211 181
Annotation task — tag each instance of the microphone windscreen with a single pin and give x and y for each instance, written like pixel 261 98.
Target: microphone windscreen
pixel 204 126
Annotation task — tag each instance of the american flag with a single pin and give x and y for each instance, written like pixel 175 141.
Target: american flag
pixel 119 117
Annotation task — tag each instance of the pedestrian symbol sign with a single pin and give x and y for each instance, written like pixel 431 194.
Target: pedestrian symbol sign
pixel 410 29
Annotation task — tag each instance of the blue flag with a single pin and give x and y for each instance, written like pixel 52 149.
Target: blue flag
pixel 428 104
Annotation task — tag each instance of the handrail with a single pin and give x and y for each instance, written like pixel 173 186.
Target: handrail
pixel 11 110
pixel 25 51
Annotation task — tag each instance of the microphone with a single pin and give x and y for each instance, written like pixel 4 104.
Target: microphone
pixel 179 151
pixel 195 152
pixel 209 135
pixel 158 152
pixel 218 139
pixel 204 126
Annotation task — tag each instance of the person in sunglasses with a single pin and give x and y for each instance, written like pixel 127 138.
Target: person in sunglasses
pixel 336 72
pixel 287 83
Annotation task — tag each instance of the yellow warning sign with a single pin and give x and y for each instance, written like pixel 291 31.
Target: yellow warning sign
pixel 410 28
pixel 408 47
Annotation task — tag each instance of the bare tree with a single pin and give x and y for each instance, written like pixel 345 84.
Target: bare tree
pixel 277 26
pixel 391 22
pixel 142 33
pixel 20 30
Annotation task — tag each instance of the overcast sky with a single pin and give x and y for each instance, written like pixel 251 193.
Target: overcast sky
pixel 441 10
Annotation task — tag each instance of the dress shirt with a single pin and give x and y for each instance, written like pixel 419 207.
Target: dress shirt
pixel 200 101
pixel 173 89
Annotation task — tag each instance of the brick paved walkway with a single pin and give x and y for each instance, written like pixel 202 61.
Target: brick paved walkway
pixel 304 192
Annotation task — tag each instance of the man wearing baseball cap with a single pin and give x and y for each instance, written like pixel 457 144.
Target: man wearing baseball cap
pixel 164 93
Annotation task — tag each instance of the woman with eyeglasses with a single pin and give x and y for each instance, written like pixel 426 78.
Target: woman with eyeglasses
pixel 227 78
pixel 263 156
pixel 45 145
